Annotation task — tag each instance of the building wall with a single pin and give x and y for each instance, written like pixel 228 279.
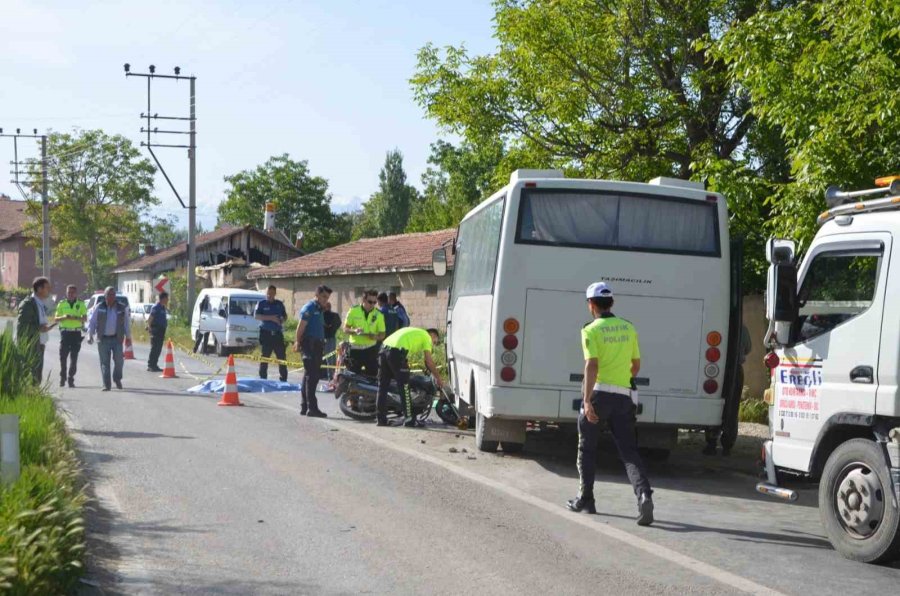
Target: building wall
pixel 137 285
pixel 20 267
pixel 424 295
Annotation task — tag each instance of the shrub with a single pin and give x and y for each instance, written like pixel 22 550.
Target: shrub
pixel 15 365
pixel 754 410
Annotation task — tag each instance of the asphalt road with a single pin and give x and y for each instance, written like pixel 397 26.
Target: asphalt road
pixel 194 498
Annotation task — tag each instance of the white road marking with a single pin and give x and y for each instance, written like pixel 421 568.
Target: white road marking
pixel 699 567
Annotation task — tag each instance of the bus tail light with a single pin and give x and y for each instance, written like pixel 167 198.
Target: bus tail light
pixel 511 326
pixel 508 374
pixel 714 338
pixel 710 386
pixel 510 342
pixel 713 354
pixel 711 370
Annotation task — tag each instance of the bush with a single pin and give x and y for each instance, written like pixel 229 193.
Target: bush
pixel 41 528
pixel 754 410
pixel 41 525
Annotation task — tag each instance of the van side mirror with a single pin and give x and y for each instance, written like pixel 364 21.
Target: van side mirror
pixel 439 262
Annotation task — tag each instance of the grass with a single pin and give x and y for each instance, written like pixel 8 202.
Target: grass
pixel 754 410
pixel 41 524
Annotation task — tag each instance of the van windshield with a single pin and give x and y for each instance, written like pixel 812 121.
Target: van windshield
pixel 618 221
pixel 242 306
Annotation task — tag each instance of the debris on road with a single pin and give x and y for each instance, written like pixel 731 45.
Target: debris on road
pixel 453 450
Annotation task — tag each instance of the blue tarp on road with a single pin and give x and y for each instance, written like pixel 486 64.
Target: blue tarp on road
pixel 246 385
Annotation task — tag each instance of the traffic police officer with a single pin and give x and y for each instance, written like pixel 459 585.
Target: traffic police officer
pixel 394 357
pixel 612 359
pixel 310 341
pixel 71 315
pixel 365 325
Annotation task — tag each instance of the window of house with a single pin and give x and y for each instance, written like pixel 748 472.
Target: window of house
pixel 431 290
pixel 838 287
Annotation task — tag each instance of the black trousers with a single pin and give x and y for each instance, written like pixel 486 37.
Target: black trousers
pixel 156 346
pixel 364 359
pixel 393 365
pixel 272 341
pixel 311 351
pixel 37 367
pixel 202 338
pixel 618 411
pixel 69 347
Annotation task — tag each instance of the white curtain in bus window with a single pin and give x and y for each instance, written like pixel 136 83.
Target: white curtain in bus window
pixel 569 218
pixel 477 246
pixel 670 225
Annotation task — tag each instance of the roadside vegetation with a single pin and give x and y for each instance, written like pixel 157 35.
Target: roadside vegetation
pixel 41 523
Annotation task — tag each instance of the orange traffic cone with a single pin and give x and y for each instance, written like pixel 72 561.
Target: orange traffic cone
pixel 169 368
pixel 129 350
pixel 230 396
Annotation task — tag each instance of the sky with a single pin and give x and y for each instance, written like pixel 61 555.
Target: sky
pixel 322 80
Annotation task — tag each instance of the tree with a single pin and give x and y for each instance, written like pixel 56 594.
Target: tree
pixel 162 232
pixel 825 74
pixel 302 200
pixel 457 179
pixel 387 211
pixel 99 186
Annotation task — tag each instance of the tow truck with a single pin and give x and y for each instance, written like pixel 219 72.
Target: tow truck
pixel 834 358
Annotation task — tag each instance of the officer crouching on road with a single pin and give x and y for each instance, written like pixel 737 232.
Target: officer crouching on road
pixel 394 357
pixel 612 359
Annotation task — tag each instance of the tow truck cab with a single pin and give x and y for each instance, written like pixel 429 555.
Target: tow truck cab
pixel 834 336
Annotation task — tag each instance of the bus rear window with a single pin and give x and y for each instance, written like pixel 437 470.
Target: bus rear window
pixel 618 221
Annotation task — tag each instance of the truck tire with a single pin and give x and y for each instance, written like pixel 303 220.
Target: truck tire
pixel 480 443
pixel 856 503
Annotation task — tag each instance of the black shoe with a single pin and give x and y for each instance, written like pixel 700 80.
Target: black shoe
pixel 62 382
pixel 645 510
pixel 118 384
pixel 316 414
pixel 105 388
pixel 381 422
pixel 154 369
pixel 303 410
pixel 413 423
pixel 581 504
pixel 71 383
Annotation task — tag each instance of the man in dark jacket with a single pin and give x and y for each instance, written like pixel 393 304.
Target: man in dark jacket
pixel 396 306
pixel 32 325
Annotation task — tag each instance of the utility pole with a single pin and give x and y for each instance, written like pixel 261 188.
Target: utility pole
pixel 45 199
pixel 192 162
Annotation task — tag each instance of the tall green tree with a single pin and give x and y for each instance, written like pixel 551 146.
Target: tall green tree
pixel 826 75
pixel 457 179
pixel 387 210
pixel 303 201
pixel 99 185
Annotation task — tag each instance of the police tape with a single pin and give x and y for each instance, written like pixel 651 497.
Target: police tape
pixel 298 363
pixel 202 359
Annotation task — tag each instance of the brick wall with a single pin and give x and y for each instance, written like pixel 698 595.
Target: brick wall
pixel 21 267
pixel 424 295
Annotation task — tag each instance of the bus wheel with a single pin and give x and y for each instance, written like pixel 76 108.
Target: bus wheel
pixel 512 447
pixel 855 503
pixel 480 443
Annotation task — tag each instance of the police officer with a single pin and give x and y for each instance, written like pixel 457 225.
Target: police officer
pixel 271 335
pixel 612 358
pixel 310 342
pixel 71 315
pixel 365 325
pixel 157 325
pixel 394 357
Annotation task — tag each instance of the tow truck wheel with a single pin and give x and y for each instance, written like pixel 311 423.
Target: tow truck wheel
pixel 480 443
pixel 856 504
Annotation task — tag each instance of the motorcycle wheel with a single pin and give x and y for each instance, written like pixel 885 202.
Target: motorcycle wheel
pixel 349 412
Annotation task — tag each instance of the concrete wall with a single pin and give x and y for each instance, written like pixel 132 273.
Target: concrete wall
pixel 20 267
pixel 756 375
pixel 412 290
pixel 137 285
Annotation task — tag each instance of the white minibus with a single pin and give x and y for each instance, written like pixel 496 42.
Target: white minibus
pixel 523 259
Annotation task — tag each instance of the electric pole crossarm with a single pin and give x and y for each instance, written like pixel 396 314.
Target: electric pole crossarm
pixel 157 131
pixel 158 117
pixel 144 144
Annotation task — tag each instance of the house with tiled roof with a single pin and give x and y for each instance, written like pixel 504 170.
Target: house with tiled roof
pixel 400 264
pixel 224 257
pixel 20 261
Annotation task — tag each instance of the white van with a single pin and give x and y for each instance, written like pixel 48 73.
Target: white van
pixel 227 315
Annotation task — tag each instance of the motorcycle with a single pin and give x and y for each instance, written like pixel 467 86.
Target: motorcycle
pixel 356 395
